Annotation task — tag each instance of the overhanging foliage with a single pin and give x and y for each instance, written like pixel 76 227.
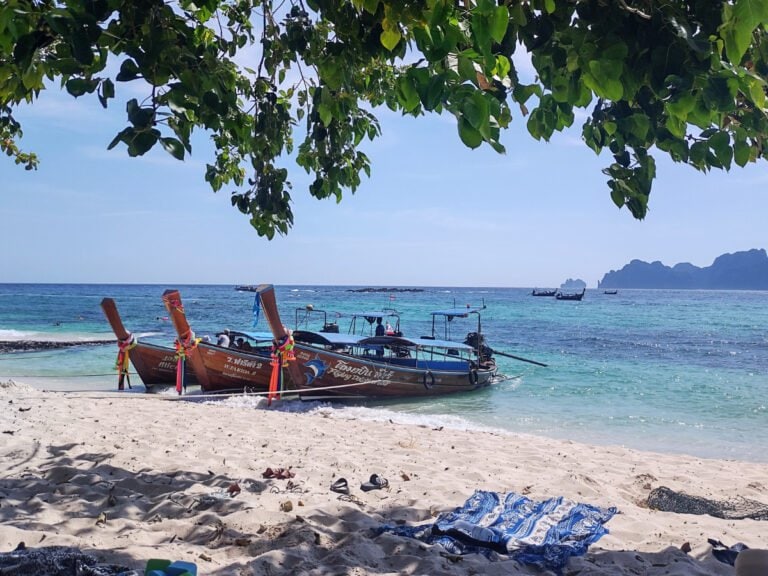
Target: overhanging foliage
pixel 685 77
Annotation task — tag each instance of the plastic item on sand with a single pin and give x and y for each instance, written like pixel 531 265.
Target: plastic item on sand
pixel 160 567
pixel 375 483
pixel 341 486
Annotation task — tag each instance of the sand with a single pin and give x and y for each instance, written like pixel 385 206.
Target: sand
pixel 130 477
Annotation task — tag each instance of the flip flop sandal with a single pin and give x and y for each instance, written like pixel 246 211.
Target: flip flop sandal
pixel 375 483
pixel 341 486
pixel 725 554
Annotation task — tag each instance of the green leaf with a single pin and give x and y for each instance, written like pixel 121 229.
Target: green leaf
pixel 173 147
pixel 476 111
pixel 522 92
pixel 467 69
pixel 720 145
pixel 640 126
pixel 682 105
pixel 618 197
pixel 81 46
pixel 698 154
pixel 128 71
pixel 408 96
pixel 499 23
pixel 561 87
pixel 481 33
pixel 503 66
pixel 106 91
pixel 326 114
pixel 139 117
pixel 603 79
pixel 742 153
pixel 468 134
pixel 757 91
pixel 142 142
pixel 549 6
pixel 79 86
pixel 434 94
pixel 739 22
pixel 517 14
pixel 123 136
pixel 390 38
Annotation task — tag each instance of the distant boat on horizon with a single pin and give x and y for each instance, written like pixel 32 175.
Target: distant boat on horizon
pixel 577 296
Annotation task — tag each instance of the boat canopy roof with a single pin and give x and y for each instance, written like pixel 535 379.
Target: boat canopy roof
pixel 333 339
pixel 413 342
pixel 257 336
pixel 456 312
pixel 327 338
pixel 373 314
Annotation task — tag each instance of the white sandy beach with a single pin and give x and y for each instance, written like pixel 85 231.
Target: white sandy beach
pixel 132 477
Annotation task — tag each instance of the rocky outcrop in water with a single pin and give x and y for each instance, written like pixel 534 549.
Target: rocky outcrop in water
pixel 36 345
pixel 738 271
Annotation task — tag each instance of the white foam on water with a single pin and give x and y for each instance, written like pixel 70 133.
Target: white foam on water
pixel 364 413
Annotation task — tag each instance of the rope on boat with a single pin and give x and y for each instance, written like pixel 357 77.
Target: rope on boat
pixel 61 377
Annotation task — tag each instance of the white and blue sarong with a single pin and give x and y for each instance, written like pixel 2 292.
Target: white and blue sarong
pixel 544 534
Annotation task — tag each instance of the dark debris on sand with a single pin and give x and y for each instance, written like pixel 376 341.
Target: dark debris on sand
pixel 56 561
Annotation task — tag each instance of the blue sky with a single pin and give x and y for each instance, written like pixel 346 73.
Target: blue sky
pixel 433 213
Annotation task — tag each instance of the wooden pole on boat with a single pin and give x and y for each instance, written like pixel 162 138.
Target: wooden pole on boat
pixel 123 341
pixel 266 294
pixel 519 358
pixel 172 301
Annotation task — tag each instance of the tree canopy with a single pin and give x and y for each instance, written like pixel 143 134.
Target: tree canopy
pixel 682 77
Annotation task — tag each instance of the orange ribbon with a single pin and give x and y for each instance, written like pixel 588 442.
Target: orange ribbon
pixel 282 354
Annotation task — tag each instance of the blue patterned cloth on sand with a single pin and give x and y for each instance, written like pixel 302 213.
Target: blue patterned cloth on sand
pixel 544 534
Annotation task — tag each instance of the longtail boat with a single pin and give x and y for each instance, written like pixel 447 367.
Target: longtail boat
pixel 356 367
pixel 577 296
pixel 155 364
pixel 243 365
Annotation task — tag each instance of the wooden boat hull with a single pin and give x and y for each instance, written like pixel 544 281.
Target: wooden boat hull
pixel 217 369
pixel 319 372
pixel 339 376
pixel 222 370
pixel 155 364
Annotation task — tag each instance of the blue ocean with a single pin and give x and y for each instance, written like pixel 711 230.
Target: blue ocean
pixel 661 370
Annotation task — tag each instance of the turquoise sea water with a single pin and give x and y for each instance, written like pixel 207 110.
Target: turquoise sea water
pixel 668 371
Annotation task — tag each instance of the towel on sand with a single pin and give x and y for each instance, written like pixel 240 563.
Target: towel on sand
pixel 543 533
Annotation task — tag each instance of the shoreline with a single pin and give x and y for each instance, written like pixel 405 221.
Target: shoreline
pixel 402 414
pixel 159 473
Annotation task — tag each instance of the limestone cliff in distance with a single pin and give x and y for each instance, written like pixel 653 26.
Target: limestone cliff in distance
pixel 738 271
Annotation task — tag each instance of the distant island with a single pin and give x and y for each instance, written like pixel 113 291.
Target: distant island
pixel 572 284
pixel 738 271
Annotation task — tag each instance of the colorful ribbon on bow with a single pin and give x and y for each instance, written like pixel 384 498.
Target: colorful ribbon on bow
pixel 121 365
pixel 182 349
pixel 282 354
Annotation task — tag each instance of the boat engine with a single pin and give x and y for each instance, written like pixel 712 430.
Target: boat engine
pixel 477 341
